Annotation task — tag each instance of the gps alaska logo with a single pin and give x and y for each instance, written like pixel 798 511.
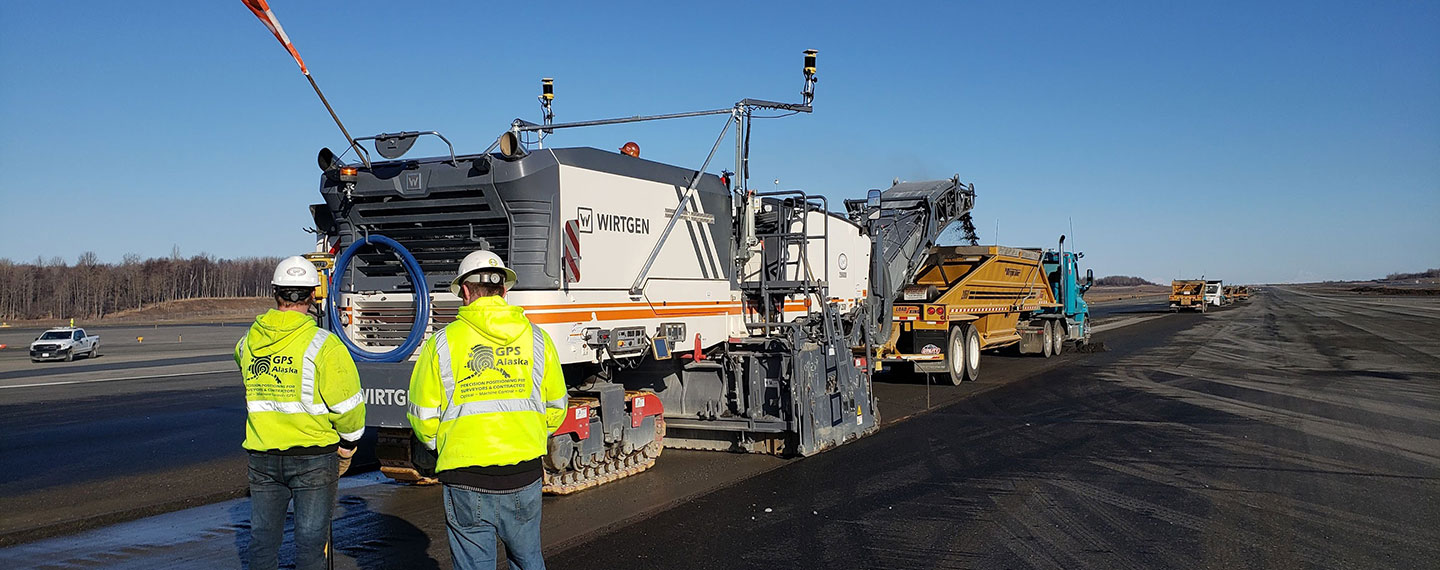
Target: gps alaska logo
pixel 271 366
pixel 482 358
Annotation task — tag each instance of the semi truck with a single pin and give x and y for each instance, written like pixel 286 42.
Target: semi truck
pixel 1215 293
pixel 964 300
pixel 688 309
pixel 1187 294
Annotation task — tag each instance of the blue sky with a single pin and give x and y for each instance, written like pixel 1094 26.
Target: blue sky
pixel 1255 142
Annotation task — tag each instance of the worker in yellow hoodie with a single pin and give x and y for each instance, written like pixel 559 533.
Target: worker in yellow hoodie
pixel 305 414
pixel 486 394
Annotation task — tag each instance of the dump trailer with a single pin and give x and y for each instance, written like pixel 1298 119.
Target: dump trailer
pixel 1187 294
pixel 968 299
pixel 688 310
pixel 1237 293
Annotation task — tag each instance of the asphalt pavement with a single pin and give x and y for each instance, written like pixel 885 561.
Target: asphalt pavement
pixel 152 425
pixel 1297 431
pixel 1166 451
pixel 145 446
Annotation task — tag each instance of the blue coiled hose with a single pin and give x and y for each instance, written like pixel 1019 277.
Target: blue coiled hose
pixel 422 302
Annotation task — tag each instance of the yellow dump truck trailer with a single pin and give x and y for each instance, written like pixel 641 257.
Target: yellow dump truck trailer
pixel 971 298
pixel 1187 294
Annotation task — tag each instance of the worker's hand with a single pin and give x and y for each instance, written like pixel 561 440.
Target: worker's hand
pixel 345 455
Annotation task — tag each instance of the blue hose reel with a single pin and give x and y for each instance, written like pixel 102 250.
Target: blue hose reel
pixel 422 301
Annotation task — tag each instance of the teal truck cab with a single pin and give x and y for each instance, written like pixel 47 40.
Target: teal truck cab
pixel 1063 271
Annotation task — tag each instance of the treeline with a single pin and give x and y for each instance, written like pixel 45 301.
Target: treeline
pixel 1427 274
pixel 1122 281
pixel 90 289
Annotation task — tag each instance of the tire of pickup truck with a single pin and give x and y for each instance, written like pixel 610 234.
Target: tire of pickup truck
pixel 70 356
pixel 93 352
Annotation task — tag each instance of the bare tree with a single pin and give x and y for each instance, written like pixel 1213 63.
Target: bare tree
pixel 91 288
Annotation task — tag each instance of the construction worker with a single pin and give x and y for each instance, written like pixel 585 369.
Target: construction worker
pixel 630 149
pixel 305 415
pixel 486 393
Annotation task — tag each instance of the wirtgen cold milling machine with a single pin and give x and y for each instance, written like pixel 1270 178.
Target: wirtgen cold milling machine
pixel 688 310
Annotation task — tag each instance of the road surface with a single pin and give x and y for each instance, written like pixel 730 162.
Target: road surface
pixel 154 425
pixel 1299 431
pixel 1290 430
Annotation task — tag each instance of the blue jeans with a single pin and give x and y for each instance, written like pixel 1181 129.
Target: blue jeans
pixel 475 519
pixel 274 480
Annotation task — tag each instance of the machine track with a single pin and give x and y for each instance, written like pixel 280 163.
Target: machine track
pixel 616 464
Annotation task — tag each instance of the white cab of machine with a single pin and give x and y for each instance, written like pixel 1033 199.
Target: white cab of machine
pixel 841 261
pixel 615 223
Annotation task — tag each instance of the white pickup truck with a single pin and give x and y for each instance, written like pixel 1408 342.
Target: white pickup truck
pixel 64 343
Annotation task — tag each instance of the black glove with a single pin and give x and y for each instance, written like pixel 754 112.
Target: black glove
pixel 422 458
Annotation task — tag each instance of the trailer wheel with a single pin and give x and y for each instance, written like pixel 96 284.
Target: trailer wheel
pixel 1047 339
pixel 956 355
pixel 972 353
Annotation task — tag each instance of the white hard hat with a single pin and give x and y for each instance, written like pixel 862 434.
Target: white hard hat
pixel 296 271
pixel 480 261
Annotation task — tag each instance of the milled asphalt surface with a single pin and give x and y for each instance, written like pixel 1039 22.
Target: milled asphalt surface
pixel 383 524
pixel 1297 431
pixel 1232 439
pixel 153 425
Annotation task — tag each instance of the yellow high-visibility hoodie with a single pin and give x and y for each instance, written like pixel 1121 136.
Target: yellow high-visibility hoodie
pixel 301 387
pixel 488 389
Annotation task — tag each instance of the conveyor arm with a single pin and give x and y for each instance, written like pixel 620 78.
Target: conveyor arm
pixel 905 223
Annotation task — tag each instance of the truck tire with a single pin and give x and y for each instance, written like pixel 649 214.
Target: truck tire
pixel 1059 337
pixel 972 353
pixel 962 359
pixel 70 356
pixel 1047 339
pixel 955 354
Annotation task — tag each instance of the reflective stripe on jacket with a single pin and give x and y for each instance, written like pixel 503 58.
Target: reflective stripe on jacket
pixel 301 387
pixel 488 389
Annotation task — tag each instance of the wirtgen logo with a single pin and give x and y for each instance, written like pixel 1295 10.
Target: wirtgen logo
pixel 271 366
pixel 585 218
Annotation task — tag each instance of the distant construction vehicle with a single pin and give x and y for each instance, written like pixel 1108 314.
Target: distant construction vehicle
pixel 1187 294
pixel 1215 293
pixel 1237 293
pixel 967 299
